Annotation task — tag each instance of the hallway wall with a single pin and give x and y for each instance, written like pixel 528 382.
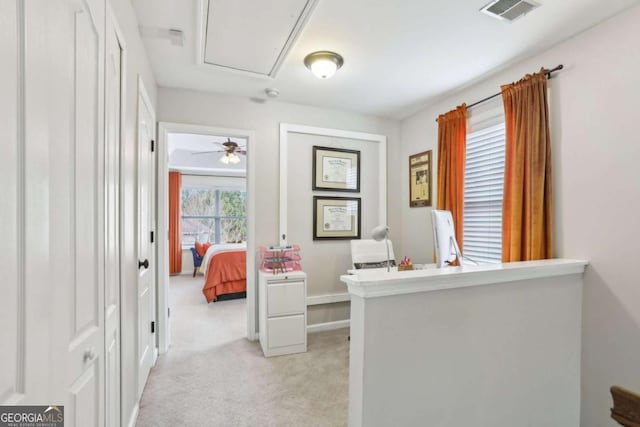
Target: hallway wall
pixel 137 64
pixel 185 106
pixel 594 115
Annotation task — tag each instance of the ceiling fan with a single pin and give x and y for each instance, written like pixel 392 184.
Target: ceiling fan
pixel 230 149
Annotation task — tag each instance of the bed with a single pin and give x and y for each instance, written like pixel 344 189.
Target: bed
pixel 225 270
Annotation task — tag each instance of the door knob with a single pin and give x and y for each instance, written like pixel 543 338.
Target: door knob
pixel 89 355
pixel 144 264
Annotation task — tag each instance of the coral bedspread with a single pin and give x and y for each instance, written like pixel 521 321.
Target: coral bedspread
pixel 227 274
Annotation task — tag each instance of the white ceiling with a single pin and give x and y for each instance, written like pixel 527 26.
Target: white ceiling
pixel 399 54
pixel 186 154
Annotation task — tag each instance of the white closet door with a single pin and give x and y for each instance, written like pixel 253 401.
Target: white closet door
pixel 12 308
pixel 113 86
pixel 85 192
pixel 64 210
pixel 52 222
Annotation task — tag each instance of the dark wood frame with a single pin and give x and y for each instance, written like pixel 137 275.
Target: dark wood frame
pixel 357 217
pixel 416 163
pixel 317 157
pixel 626 406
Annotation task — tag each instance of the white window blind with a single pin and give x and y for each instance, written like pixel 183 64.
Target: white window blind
pixel 483 190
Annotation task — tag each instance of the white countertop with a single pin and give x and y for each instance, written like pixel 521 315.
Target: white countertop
pixel 379 283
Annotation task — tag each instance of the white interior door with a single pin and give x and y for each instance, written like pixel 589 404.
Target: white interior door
pixel 113 89
pixel 84 211
pixel 146 238
pixel 12 304
pixel 52 207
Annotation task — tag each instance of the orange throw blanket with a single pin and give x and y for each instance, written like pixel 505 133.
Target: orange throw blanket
pixel 227 274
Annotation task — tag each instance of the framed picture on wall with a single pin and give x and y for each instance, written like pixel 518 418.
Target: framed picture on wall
pixel 336 218
pixel 420 179
pixel 336 169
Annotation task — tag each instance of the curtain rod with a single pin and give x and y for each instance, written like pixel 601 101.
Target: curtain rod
pixel 548 73
pixel 213 176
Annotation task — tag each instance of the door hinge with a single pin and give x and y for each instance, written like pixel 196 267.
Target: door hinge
pixel 153 146
pixel 153 327
pixel 152 239
pixel 168 311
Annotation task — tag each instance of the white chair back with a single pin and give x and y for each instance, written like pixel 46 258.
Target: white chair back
pixel 369 253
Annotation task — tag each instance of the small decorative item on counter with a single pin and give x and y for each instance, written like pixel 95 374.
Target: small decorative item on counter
pixel 280 259
pixel 405 264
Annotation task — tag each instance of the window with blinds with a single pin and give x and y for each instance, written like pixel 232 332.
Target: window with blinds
pixel 483 190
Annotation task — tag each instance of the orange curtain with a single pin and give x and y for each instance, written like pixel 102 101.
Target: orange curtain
pixel 175 243
pixel 452 149
pixel 527 206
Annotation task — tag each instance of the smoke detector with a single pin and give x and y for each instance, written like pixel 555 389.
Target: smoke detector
pixel 272 92
pixel 509 10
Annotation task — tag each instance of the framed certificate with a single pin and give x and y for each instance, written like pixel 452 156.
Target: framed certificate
pixel 420 179
pixel 336 218
pixel 336 169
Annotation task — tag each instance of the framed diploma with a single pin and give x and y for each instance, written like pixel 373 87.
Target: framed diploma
pixel 336 218
pixel 336 169
pixel 420 179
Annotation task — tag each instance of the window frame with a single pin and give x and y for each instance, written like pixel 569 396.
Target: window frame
pixel 488 120
pixel 216 217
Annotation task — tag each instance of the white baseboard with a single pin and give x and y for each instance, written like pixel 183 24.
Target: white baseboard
pixel 328 298
pixel 134 415
pixel 328 326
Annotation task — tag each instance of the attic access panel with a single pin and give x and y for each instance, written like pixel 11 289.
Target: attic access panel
pixel 253 36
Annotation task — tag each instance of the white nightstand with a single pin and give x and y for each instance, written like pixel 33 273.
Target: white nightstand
pixel 282 312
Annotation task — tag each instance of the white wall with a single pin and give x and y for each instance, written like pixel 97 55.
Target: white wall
pixel 231 183
pixel 447 357
pixel 184 106
pixel 136 64
pixel 325 260
pixel 594 113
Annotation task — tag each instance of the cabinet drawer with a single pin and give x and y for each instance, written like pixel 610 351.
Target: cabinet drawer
pixel 286 331
pixel 285 298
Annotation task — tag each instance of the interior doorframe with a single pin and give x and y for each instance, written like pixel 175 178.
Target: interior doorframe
pixel 162 282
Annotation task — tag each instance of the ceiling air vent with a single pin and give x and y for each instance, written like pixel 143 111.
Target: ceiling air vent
pixel 509 10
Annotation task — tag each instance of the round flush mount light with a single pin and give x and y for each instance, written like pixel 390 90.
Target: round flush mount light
pixel 323 64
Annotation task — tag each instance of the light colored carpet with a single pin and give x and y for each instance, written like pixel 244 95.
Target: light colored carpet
pixel 214 376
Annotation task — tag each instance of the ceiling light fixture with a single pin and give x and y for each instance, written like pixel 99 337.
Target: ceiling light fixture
pixel 230 158
pixel 323 64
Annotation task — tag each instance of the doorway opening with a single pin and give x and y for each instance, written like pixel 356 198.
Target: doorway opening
pixel 207 268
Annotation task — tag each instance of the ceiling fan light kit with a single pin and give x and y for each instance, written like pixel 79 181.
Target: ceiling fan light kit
pixel 323 64
pixel 230 158
pixel 230 149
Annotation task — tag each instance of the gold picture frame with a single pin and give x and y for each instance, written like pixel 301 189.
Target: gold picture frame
pixel 420 193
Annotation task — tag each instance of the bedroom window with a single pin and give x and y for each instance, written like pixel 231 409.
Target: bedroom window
pixel 213 215
pixel 483 189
